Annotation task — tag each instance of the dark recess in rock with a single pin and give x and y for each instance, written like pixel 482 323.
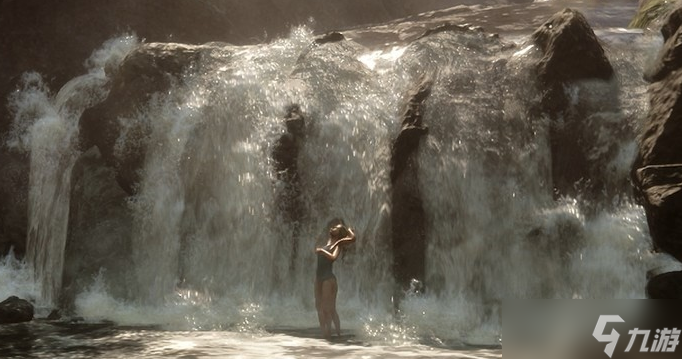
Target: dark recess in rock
pixel 285 156
pixel 407 214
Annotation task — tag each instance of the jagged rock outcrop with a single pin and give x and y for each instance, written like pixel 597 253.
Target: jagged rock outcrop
pixel 570 55
pixel 657 169
pixel 407 214
pixel 15 310
pixel 114 125
pixel 100 224
pixel 571 50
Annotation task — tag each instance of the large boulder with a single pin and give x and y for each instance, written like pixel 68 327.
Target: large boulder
pixel 571 55
pixel 407 213
pixel 15 310
pixel 571 51
pixel 115 125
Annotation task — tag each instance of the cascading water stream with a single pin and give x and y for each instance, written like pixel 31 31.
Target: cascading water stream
pixel 48 128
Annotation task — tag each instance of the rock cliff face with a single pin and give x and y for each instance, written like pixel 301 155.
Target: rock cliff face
pixel 657 170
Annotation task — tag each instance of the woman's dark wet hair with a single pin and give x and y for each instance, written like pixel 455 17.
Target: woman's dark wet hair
pixel 339 231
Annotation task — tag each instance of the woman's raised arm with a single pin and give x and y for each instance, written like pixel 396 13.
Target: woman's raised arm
pixel 349 238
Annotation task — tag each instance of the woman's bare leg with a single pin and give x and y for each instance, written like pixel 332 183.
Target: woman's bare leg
pixel 335 315
pixel 318 306
pixel 329 289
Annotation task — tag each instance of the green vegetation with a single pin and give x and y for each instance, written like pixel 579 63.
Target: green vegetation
pixel 650 11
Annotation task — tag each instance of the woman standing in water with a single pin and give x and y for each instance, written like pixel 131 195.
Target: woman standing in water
pixel 325 281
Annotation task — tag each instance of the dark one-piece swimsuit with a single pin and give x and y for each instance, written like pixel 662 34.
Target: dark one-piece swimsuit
pixel 324 266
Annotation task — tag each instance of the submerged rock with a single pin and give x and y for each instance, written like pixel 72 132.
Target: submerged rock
pixel 55 314
pixel 15 310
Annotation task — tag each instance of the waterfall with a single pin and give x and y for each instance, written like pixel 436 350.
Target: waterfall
pixel 205 213
pixel 210 246
pixel 47 127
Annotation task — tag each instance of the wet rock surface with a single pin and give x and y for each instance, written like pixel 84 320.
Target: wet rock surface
pixel 15 310
pixel 657 169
